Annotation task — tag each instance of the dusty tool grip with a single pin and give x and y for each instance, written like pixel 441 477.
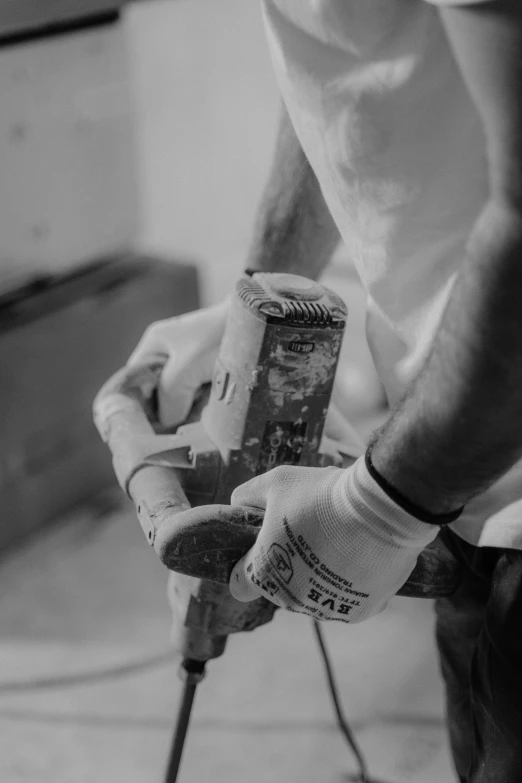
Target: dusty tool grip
pixel 208 541
pixel 121 419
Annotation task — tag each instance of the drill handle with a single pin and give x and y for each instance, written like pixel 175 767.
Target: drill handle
pixel 123 410
pixel 208 541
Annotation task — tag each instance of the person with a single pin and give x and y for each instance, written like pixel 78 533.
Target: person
pixel 401 133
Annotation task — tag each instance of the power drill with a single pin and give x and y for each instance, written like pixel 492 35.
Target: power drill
pixel 267 406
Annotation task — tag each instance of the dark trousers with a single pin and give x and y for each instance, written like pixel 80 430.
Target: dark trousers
pixel 479 635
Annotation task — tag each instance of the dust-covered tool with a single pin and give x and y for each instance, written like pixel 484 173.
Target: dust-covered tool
pixel 267 406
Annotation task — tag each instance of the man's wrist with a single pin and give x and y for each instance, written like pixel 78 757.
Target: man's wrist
pixel 421 512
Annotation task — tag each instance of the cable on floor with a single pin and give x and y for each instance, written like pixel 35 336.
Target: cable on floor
pixel 344 726
pixel 90 676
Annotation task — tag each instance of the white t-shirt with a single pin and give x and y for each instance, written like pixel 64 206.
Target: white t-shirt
pixel 386 121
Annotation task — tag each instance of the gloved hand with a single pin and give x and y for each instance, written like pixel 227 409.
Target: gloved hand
pixel 333 545
pixel 191 343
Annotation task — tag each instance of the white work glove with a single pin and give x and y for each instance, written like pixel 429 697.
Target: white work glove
pixel 332 545
pixel 191 343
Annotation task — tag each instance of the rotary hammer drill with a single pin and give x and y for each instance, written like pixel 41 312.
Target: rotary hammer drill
pixel 267 405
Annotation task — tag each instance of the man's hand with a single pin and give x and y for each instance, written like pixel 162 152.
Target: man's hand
pixel 333 545
pixel 191 343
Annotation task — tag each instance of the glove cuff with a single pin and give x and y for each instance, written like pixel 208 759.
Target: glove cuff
pixel 405 503
pixel 354 492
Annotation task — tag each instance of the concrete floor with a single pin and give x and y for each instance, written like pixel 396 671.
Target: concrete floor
pixel 90 595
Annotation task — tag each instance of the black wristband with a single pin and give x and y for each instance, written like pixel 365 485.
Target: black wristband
pixel 404 503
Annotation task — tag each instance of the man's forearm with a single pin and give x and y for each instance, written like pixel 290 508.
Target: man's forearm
pixel 294 231
pixel 459 427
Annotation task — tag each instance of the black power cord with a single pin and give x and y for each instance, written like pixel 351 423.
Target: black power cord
pixel 89 676
pixel 344 727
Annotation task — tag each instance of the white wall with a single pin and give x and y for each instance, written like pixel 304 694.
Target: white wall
pixel 68 185
pixel 207 107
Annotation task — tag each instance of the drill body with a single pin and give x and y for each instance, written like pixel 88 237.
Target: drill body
pixel 272 384
pixel 268 401
pixel 267 407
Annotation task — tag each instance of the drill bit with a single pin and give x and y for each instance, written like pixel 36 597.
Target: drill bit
pixel 192 672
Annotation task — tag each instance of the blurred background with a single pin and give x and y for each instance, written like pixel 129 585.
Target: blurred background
pixel 135 140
